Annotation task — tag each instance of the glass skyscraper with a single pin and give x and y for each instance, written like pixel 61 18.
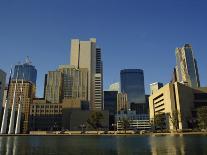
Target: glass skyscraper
pixel 25 71
pixel 132 83
pixel 186 68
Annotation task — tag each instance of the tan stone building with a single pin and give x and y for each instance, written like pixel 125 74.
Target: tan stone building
pixel 45 116
pixel 122 102
pixel 85 54
pixel 177 97
pixel 53 89
pixel 27 99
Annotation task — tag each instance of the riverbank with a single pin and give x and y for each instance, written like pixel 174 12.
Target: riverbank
pixel 101 133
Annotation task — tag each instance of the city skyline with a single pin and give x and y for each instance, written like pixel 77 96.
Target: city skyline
pixel 141 35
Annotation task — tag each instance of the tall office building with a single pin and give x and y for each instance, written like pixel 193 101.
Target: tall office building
pixel 75 83
pixel 2 85
pixel 26 71
pixel 132 83
pixel 28 93
pixel 85 54
pixel 122 102
pixel 186 67
pixel 155 86
pixel 53 90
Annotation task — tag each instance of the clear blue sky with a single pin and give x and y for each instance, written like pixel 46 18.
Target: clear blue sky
pixel 132 34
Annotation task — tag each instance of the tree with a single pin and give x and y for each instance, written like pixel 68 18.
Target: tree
pixel 95 120
pixel 158 121
pixel 174 117
pixel 202 117
pixel 125 124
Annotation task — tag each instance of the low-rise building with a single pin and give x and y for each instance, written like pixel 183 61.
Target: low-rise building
pixel 45 116
pixel 136 121
pixel 177 100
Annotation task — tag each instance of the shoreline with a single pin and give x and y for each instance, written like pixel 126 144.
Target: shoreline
pixel 99 135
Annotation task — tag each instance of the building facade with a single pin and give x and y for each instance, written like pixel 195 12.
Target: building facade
pixel 27 95
pixel 45 116
pixel 75 82
pixel 2 86
pixel 177 99
pixel 155 86
pixel 25 71
pixel 122 102
pixel 53 91
pixel 132 83
pixel 186 68
pixel 136 121
pixel 85 54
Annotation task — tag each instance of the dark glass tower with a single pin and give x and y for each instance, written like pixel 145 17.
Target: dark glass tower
pixel 27 71
pixel 132 83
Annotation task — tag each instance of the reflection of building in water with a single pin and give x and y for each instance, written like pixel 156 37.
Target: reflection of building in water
pixel 167 145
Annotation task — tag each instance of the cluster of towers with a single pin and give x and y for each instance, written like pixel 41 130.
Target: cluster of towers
pixel 79 85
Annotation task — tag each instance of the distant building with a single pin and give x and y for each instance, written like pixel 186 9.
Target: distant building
pixel 25 71
pixel 186 68
pixel 132 83
pixel 122 102
pixel 27 98
pixel 2 86
pixel 75 83
pixel 136 121
pixel 110 104
pixel 155 86
pixel 85 54
pixel 177 98
pixel 114 87
pixel 53 91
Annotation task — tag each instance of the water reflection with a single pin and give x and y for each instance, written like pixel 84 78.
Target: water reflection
pixel 109 145
pixel 167 145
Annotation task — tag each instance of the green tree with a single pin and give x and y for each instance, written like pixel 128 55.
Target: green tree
pixel 95 120
pixel 202 117
pixel 125 124
pixel 159 121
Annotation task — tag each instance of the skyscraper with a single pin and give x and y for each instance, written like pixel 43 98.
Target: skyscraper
pixel 26 71
pixel 132 83
pixel 186 67
pixel 2 85
pixel 75 82
pixel 53 90
pixel 85 54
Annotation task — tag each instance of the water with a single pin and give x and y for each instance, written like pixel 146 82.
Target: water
pixel 104 145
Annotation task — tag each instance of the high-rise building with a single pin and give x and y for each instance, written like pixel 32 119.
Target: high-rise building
pixel 110 104
pixel 75 82
pixel 115 87
pixel 122 102
pixel 53 91
pixel 155 86
pixel 132 83
pixel 27 95
pixel 110 101
pixel 186 67
pixel 2 85
pixel 25 71
pixel 85 54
